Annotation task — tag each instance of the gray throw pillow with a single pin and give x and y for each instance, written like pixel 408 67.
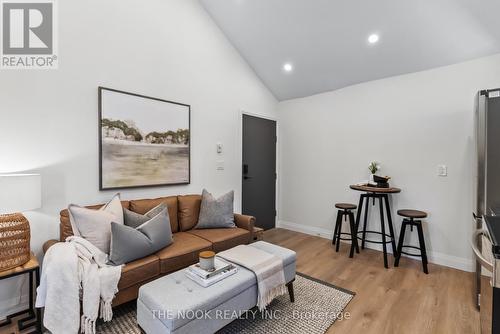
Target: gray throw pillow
pixel 216 213
pixel 129 244
pixel 134 219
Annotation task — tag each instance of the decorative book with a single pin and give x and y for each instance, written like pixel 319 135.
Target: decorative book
pixel 220 266
pixel 206 282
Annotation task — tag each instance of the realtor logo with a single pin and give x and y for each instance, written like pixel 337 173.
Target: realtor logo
pixel 28 34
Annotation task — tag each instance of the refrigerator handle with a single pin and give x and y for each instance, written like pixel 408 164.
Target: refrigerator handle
pixel 484 262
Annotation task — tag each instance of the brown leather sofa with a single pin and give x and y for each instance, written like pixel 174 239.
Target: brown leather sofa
pixel 188 242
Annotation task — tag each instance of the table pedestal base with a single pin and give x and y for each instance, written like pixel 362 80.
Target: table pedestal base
pixel 382 199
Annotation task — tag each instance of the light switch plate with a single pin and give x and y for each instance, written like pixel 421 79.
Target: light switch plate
pixel 442 170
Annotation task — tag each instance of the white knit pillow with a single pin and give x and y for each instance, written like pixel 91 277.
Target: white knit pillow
pixel 95 225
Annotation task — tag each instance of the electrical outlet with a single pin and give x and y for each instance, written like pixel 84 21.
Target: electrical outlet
pixel 442 170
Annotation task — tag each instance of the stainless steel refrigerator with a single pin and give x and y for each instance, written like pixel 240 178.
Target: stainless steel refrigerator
pixel 486 201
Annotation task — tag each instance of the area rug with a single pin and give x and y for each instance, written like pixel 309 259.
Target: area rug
pixel 317 306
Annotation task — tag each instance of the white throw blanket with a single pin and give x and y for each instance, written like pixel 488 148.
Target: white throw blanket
pixel 69 268
pixel 268 268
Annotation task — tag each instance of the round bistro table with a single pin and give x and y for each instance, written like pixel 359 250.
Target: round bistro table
pixel 383 198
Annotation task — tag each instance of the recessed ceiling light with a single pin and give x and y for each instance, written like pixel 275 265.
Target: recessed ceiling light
pixel 288 67
pixel 373 38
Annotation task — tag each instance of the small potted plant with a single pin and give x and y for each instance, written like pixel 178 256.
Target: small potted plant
pixel 373 167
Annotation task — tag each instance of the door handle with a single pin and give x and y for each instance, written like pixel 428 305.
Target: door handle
pixel 477 234
pixel 247 177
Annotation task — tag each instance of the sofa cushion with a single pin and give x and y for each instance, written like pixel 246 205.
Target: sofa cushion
pixel 139 270
pixel 189 211
pixel 144 205
pixel 182 252
pixel 224 238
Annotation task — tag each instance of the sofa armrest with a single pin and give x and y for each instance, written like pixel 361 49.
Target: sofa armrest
pixel 245 222
pixel 49 244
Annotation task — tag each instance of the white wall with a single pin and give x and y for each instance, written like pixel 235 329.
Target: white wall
pixel 167 49
pixel 411 124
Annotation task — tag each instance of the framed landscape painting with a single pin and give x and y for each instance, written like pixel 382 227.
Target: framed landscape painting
pixel 144 141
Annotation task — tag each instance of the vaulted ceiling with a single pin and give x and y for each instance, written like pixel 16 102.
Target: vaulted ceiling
pixel 326 41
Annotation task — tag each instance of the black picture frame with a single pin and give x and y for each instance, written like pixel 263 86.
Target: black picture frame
pixel 103 187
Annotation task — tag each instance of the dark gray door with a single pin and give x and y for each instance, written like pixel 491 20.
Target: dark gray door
pixel 259 170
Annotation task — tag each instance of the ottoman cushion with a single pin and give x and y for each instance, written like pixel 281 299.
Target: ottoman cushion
pixel 175 295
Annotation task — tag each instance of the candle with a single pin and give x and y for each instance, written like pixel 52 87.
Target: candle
pixel 207 260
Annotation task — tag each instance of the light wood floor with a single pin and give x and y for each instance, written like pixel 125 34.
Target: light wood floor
pixel 399 300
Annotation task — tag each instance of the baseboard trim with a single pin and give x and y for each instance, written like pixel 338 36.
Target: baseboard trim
pixel 433 257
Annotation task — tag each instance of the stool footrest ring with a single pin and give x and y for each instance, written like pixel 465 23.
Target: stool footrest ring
pixel 413 247
pixel 346 239
pixel 373 241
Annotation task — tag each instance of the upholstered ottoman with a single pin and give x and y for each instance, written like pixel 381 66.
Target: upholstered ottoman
pixel 176 304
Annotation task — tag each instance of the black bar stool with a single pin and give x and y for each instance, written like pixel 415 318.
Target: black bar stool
pixel 345 210
pixel 412 215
